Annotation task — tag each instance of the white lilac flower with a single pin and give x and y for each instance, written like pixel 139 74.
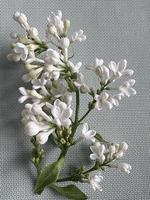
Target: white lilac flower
pixel 61 113
pixel 55 21
pixel 53 72
pixel 119 69
pixel 41 130
pixel 27 114
pixel 88 134
pixel 26 94
pixel 98 151
pixel 19 52
pixel 117 150
pixel 59 89
pixel 39 83
pixel 37 110
pixel 75 68
pixel 37 122
pixel 34 127
pixel 64 42
pixel 79 82
pixel 42 137
pixel 34 59
pixel 105 100
pixel 67 99
pixel 34 34
pixel 101 70
pixel 22 20
pixel 95 181
pixel 78 36
pixel 51 31
pixel 125 167
pixel 52 57
pixel 126 89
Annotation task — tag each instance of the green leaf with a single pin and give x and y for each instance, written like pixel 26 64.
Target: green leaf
pixel 49 175
pixel 70 191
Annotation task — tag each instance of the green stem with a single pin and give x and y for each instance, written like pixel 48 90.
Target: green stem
pixel 85 115
pixel 75 124
pixel 77 107
pixel 69 178
pixel 63 153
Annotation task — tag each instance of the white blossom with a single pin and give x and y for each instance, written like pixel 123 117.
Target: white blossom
pixel 95 181
pixel 78 36
pixel 26 94
pixel 33 127
pixel 55 21
pixel 42 137
pixel 22 20
pixel 40 129
pixel 64 42
pixel 120 69
pixel 88 134
pixel 34 59
pixel 105 100
pixel 52 57
pixel 27 114
pixel 79 82
pixel 39 83
pixel 19 52
pixel 126 89
pixel 60 89
pixel 61 113
pixel 37 110
pixel 37 122
pixel 98 151
pixel 53 72
pixel 101 70
pixel 75 68
pixel 34 34
pixel 125 167
pixel 117 150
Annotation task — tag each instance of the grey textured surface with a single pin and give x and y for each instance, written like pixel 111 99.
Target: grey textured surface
pixel 115 30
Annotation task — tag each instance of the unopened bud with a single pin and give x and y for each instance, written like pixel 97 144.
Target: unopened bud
pixel 13 35
pixel 66 25
pixel 34 34
pixel 64 42
pixel 63 141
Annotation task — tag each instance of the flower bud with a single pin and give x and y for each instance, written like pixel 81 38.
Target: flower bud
pixel 13 35
pixel 125 167
pixel 22 20
pixel 34 34
pixel 52 30
pixel 34 73
pixel 66 25
pixel 123 146
pixel 32 128
pixel 42 137
pixel 29 66
pixel 64 42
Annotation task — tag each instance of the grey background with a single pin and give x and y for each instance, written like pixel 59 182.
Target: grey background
pixel 115 30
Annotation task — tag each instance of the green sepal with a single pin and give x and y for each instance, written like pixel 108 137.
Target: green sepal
pixel 70 192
